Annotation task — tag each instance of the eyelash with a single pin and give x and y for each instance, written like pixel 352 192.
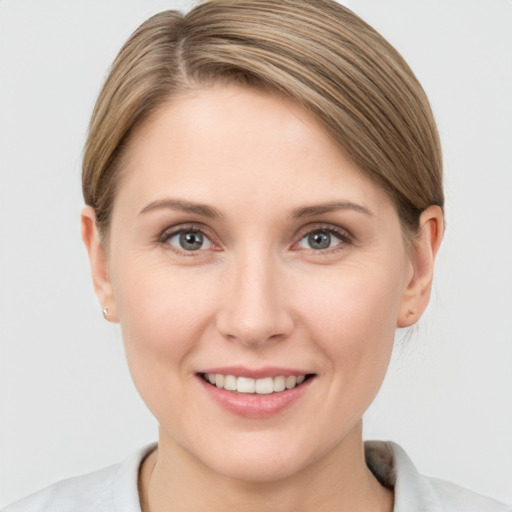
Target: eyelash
pixel 342 235
pixel 167 234
pixel 344 238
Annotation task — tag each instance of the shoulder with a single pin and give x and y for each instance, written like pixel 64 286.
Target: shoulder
pixel 455 497
pixel 108 490
pixel 82 493
pixel 413 491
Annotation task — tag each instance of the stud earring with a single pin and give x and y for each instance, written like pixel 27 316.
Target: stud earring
pixel 105 313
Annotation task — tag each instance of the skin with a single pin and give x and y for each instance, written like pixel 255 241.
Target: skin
pixel 256 294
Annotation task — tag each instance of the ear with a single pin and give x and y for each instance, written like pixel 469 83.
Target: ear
pixel 98 262
pixel 416 296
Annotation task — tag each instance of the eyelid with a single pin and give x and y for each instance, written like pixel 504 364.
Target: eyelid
pixel 171 231
pixel 341 233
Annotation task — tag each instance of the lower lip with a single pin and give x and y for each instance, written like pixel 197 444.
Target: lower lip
pixel 255 406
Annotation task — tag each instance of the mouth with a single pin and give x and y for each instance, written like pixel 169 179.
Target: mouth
pixel 256 393
pixel 250 386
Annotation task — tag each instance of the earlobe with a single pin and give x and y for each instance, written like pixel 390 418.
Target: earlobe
pixel 98 263
pixel 426 244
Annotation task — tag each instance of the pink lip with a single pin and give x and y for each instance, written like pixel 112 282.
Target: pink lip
pixel 254 406
pixel 255 373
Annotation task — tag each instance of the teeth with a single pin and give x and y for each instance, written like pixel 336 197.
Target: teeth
pixel 263 386
pixel 245 385
pixel 219 380
pixel 290 382
pixel 279 384
pixel 230 383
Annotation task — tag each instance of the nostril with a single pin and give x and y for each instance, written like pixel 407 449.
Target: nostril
pixel 272 327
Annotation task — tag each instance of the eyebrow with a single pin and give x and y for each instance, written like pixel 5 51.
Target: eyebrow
pixel 212 213
pixel 319 209
pixel 184 206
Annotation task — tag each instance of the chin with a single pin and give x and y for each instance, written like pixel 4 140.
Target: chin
pixel 259 469
pixel 261 458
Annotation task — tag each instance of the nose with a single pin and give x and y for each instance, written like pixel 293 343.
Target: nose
pixel 254 306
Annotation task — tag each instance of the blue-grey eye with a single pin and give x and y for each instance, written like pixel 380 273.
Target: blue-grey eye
pixel 319 239
pixel 190 240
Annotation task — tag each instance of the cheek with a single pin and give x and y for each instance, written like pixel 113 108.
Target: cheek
pixel 354 326
pixel 161 312
pixel 353 319
pixel 163 317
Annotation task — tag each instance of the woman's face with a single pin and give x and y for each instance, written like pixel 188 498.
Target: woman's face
pixel 244 243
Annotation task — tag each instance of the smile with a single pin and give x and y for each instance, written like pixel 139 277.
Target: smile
pixel 247 385
pixel 255 394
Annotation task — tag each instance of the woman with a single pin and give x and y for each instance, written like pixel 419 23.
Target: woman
pixel 264 208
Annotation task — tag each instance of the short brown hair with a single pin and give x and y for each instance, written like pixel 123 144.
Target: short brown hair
pixel 319 54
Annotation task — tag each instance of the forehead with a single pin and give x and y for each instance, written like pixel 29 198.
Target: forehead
pixel 241 118
pixel 228 142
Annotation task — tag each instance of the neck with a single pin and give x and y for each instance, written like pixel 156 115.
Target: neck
pixel 173 480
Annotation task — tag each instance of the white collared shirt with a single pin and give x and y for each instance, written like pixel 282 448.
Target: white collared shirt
pixel 114 489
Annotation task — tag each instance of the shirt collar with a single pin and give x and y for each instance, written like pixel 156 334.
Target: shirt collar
pixel 395 470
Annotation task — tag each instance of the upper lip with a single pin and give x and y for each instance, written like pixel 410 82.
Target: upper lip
pixel 256 373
